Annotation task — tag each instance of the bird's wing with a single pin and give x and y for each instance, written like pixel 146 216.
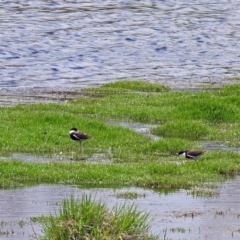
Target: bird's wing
pixel 194 154
pixel 76 136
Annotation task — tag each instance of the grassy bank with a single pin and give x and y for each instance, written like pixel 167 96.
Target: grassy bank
pixel 184 120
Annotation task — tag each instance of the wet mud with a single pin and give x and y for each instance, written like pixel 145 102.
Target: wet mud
pixel 31 95
pixel 36 95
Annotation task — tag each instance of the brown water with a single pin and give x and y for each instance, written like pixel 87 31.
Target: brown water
pixel 73 44
pixel 179 214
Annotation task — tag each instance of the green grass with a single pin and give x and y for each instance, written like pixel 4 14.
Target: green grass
pixel 161 174
pixel 87 219
pixel 184 121
pixel 188 129
pixel 126 87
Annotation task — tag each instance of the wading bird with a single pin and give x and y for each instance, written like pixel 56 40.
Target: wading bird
pixel 191 154
pixel 78 136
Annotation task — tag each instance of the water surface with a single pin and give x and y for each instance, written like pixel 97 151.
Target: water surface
pixel 76 44
pixel 179 214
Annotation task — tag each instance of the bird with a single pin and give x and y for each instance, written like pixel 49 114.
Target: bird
pixel 191 154
pixel 78 136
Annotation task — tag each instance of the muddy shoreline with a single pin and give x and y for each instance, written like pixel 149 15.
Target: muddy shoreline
pixel 23 95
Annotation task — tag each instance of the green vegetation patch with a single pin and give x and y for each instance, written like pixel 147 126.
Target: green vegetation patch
pixel 210 107
pixel 162 174
pixel 184 121
pixel 87 219
pixel 127 87
pixel 182 129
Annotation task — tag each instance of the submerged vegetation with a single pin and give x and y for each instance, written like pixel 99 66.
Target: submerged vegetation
pixel 184 120
pixel 84 217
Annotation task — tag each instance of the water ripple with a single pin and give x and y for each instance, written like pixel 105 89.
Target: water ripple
pixel 84 43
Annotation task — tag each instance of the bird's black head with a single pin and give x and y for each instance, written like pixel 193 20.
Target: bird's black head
pixel 181 152
pixel 73 129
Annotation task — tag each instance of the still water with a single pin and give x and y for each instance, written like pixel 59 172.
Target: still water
pixel 179 215
pixel 68 43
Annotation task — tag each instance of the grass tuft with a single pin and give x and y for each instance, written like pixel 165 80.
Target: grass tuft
pixel 182 129
pixel 126 87
pixel 87 219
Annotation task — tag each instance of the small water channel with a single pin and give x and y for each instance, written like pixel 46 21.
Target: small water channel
pixel 179 215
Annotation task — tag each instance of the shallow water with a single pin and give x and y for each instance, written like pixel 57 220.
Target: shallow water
pixel 86 43
pixel 179 214
pixel 140 128
pixel 211 146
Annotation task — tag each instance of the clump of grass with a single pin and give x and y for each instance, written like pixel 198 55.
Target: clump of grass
pixel 86 219
pixel 141 86
pixel 127 87
pixel 182 128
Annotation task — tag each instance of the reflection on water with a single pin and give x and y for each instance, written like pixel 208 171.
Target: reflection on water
pixel 140 128
pixel 180 215
pixel 219 146
pixel 85 43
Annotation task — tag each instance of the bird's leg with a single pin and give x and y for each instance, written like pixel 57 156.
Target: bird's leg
pixel 81 146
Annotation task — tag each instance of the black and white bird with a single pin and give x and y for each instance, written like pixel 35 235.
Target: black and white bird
pixel 78 136
pixel 191 154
